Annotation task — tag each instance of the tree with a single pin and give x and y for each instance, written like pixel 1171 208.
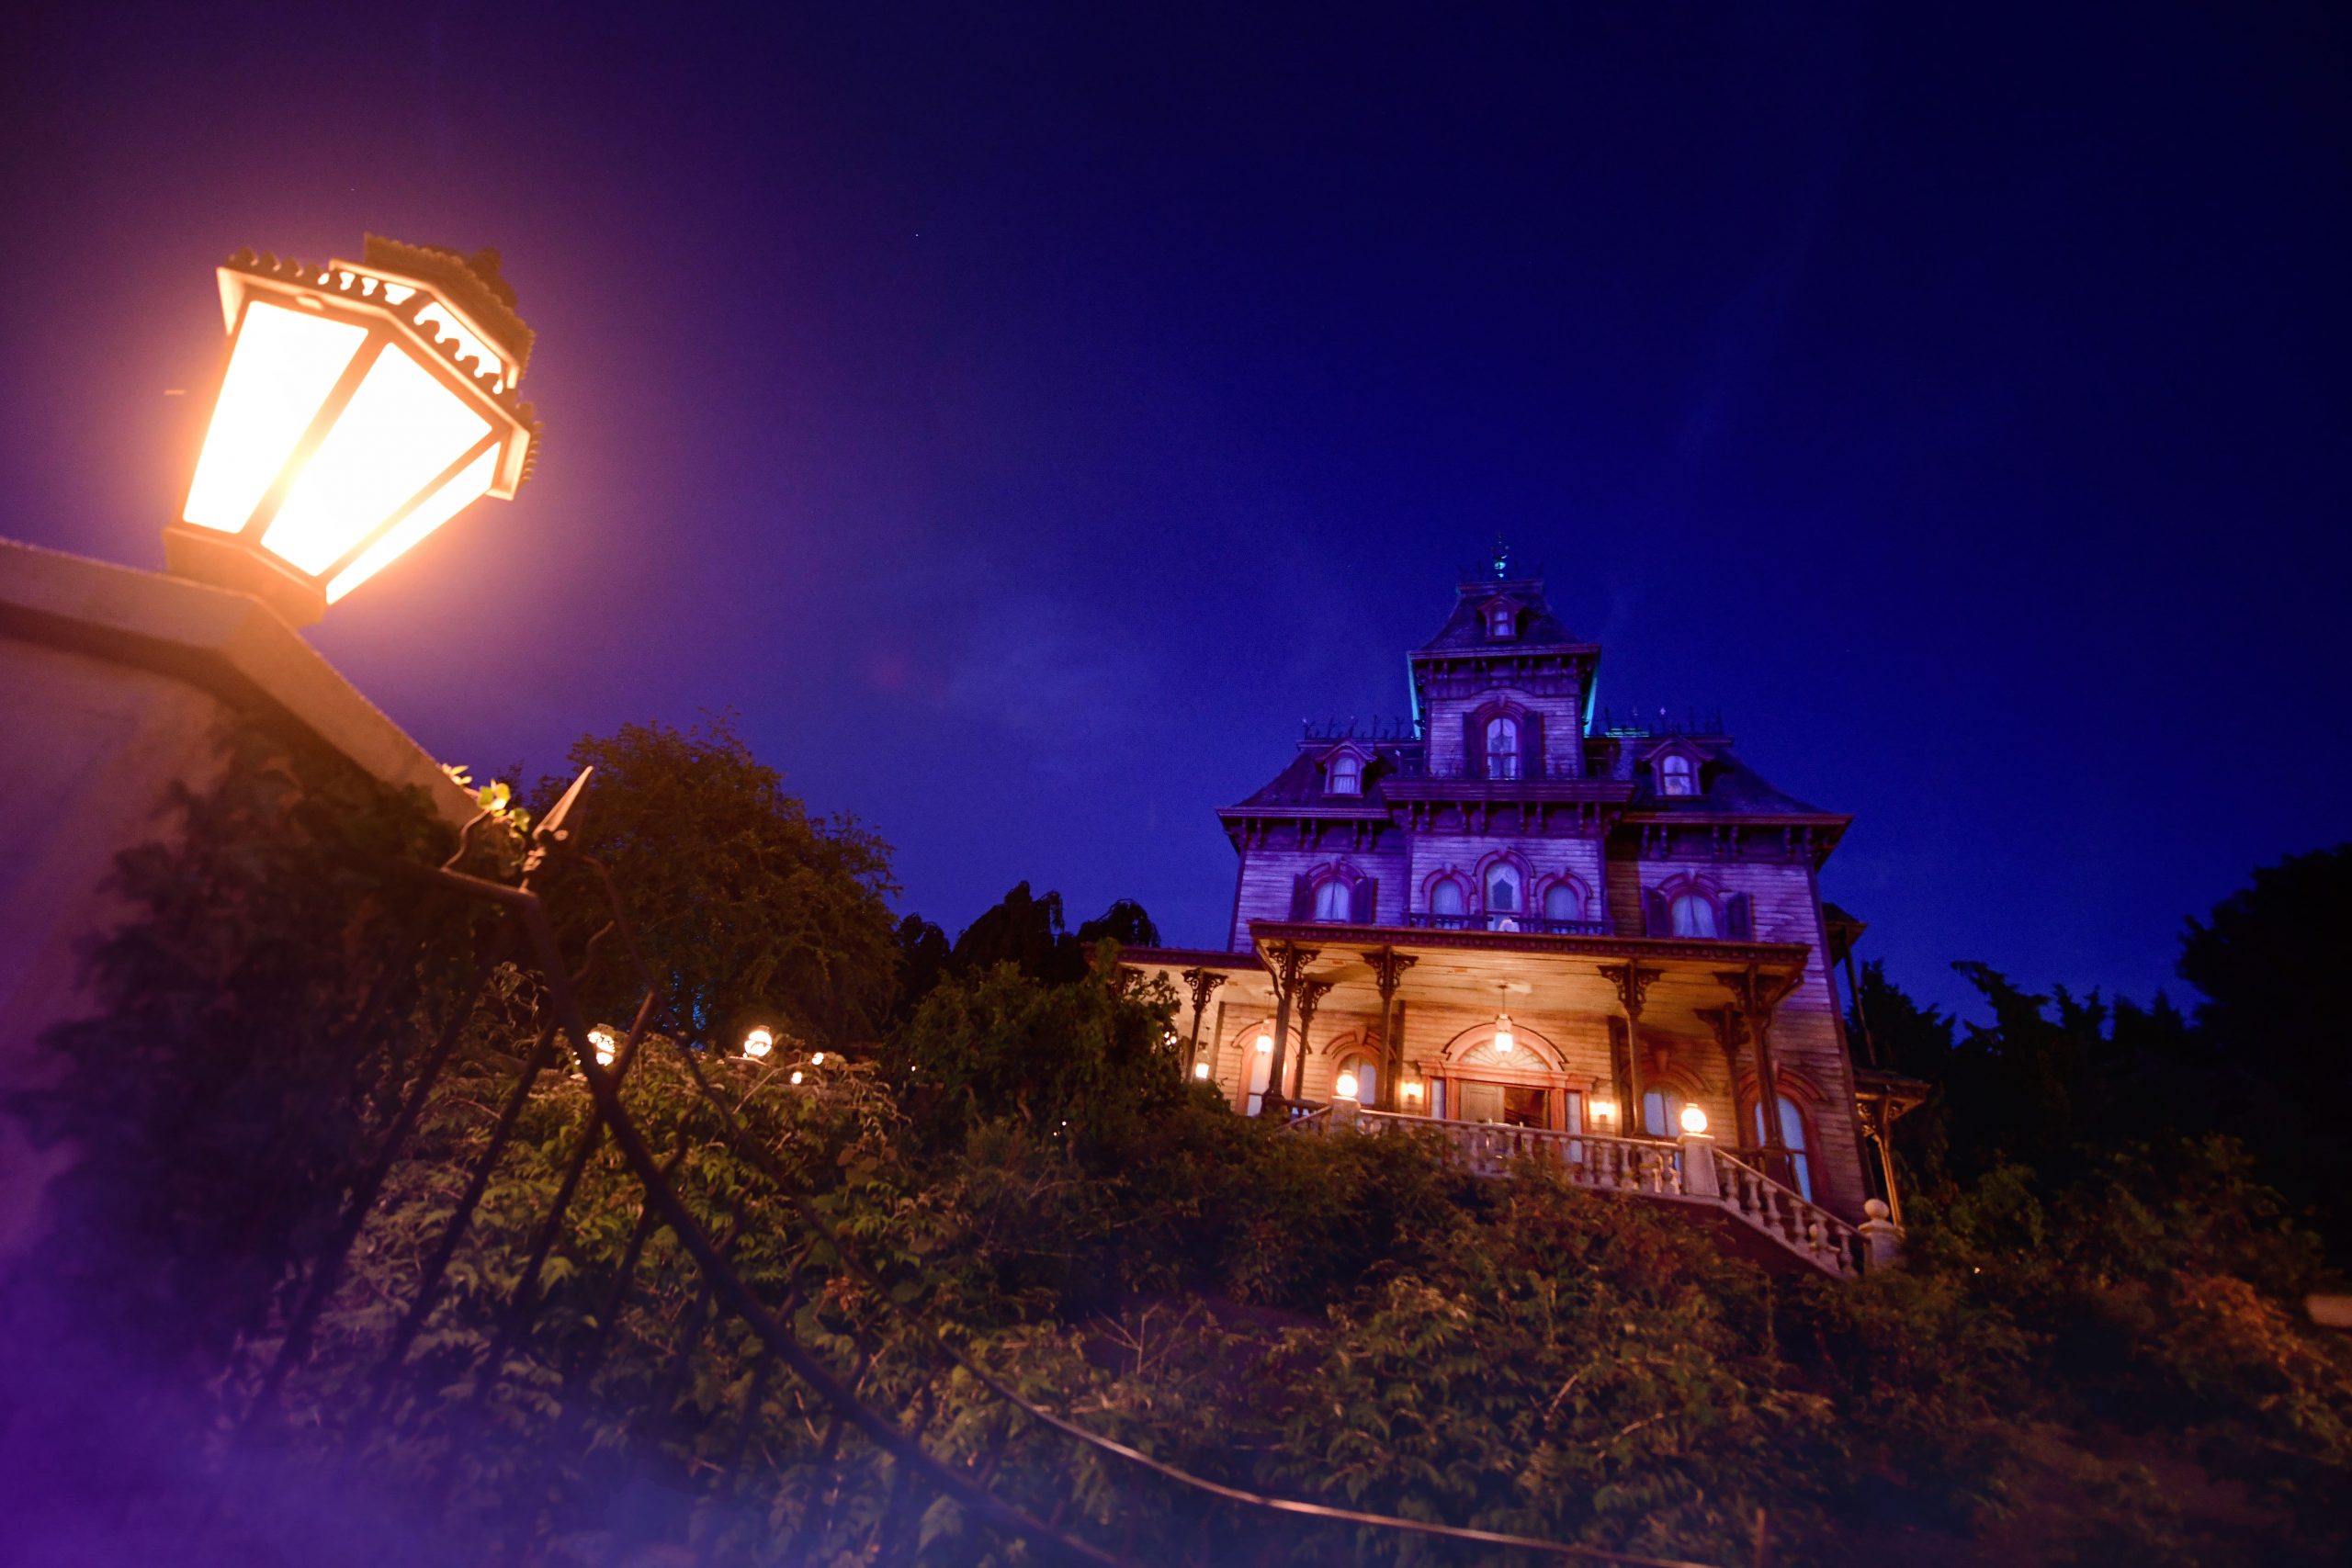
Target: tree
pixel 2265 961
pixel 1027 931
pixel 924 955
pixel 745 907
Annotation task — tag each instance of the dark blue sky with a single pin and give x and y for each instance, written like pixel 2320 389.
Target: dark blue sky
pixel 1025 418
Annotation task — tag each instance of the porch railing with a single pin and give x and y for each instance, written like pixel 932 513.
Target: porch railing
pixel 1423 919
pixel 1693 1169
pixel 1788 1216
pixel 1590 1159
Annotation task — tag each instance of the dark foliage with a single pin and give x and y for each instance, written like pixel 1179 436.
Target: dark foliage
pixel 748 908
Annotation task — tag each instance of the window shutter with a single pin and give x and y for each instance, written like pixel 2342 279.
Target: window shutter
pixel 1302 898
pixel 1363 901
pixel 1531 747
pixel 1739 917
pixel 1657 919
pixel 1474 747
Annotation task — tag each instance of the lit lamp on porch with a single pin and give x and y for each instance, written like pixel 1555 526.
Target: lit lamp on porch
pixel 1694 1120
pixel 1346 1087
pixel 1604 1112
pixel 1505 1042
pixel 1201 1071
pixel 363 404
pixel 1411 1090
pixel 1265 1042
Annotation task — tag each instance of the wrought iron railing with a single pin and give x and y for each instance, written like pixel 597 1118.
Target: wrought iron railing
pixel 1103 1501
pixel 1423 919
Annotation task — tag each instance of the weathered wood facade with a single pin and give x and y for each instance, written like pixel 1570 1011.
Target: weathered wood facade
pixel 1505 913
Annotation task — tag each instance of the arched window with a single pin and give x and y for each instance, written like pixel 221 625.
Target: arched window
pixel 1332 899
pixel 1445 898
pixel 1347 773
pixel 1676 776
pixel 1561 903
pixel 1502 891
pixel 1360 1074
pixel 1792 1134
pixel 1662 1113
pixel 1692 914
pixel 1502 747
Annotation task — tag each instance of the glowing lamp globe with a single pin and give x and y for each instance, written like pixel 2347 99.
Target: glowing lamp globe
pixel 1265 1043
pixel 758 1044
pixel 363 405
pixel 1604 1110
pixel 606 1046
pixel 1694 1120
pixel 1505 1041
pixel 1347 1085
pixel 1201 1070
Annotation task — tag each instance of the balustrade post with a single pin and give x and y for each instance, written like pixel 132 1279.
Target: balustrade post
pixel 1882 1239
pixel 1698 1167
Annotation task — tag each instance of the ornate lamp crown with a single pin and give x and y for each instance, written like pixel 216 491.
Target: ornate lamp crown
pixel 363 405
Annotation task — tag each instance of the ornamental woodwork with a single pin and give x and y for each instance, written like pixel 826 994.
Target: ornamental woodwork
pixel 1632 982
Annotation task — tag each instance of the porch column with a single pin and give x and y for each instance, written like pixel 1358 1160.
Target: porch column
pixel 1756 994
pixel 1876 1117
pixel 1633 983
pixel 1388 967
pixel 1283 961
pixel 1310 997
pixel 1205 983
pixel 1731 1034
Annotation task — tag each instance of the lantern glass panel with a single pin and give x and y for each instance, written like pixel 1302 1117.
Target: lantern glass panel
pixel 460 492
pixel 401 430
pixel 284 364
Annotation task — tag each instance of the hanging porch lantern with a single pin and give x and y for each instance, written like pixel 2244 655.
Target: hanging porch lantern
pixel 363 404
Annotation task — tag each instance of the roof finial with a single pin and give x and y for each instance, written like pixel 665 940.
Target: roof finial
pixel 1502 559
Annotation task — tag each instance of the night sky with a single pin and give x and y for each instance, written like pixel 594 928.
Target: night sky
pixel 1025 418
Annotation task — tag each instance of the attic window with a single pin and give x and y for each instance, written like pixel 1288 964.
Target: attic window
pixel 1501 623
pixel 1676 775
pixel 1347 775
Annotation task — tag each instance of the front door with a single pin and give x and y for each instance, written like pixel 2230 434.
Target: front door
pixel 1482 1102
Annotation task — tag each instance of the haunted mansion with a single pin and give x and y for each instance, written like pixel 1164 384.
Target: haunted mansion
pixel 1507 924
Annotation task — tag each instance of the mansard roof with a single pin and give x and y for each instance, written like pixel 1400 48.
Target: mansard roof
pixel 1465 630
pixel 1301 784
pixel 1729 787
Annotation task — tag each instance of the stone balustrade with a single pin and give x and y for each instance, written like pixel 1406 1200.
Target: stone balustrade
pixel 1692 1170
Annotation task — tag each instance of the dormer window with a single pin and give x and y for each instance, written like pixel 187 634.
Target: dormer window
pixel 1677 776
pixel 1502 623
pixel 1347 775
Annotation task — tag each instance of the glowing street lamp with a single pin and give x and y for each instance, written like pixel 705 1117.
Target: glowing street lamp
pixel 606 1046
pixel 363 404
pixel 1201 1071
pixel 759 1042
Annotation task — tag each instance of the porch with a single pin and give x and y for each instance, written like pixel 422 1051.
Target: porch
pixel 1551 1042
